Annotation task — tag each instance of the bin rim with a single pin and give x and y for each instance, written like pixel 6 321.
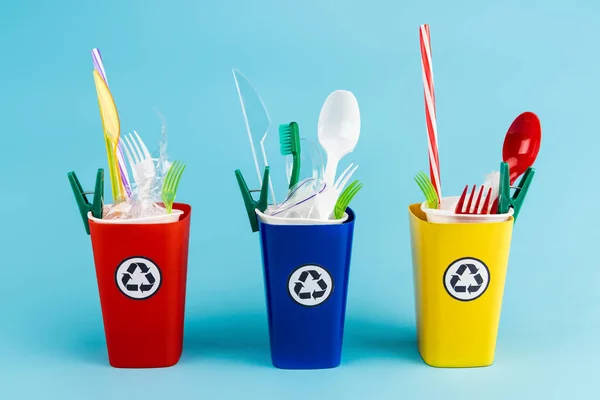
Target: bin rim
pixel 350 216
pixel 184 207
pixel 416 212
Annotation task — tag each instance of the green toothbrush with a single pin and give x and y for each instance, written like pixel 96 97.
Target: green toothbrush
pixel 289 142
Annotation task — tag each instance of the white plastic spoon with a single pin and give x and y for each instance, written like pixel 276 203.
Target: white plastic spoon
pixel 339 129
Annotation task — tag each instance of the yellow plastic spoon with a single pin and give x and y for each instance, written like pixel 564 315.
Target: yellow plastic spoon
pixel 111 126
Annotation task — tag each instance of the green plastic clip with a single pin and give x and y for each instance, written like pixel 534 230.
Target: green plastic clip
pixel 249 202
pixel 82 202
pixel 505 201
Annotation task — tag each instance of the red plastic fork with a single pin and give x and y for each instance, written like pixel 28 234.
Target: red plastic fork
pixel 485 209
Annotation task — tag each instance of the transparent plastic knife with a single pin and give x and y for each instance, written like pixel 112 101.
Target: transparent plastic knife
pixel 258 123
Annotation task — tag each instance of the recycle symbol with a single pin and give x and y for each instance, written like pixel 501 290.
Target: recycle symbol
pixel 142 287
pixel 138 278
pixel 456 279
pixel 302 280
pixel 310 285
pixel 466 279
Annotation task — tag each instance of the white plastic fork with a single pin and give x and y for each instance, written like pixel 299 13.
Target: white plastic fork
pixel 140 160
pixel 325 201
pixel 345 177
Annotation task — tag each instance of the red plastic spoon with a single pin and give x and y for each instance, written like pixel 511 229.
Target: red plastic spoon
pixel 522 144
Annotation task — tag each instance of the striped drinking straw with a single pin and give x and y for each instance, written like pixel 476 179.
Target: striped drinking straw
pixel 430 115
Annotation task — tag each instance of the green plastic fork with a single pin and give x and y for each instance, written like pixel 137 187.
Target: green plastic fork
pixel 428 190
pixel 170 184
pixel 345 198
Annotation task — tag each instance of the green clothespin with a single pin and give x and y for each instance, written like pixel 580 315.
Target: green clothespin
pixel 82 202
pixel 505 201
pixel 249 202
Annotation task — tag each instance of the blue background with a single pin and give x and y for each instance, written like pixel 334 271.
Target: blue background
pixel 491 60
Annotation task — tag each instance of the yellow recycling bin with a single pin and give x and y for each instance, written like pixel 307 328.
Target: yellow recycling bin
pixel 459 272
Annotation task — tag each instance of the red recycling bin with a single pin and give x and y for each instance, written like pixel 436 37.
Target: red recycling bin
pixel 142 272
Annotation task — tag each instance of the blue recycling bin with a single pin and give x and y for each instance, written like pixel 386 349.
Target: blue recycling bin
pixel 306 271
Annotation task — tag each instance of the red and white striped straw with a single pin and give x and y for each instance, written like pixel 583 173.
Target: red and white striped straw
pixel 430 115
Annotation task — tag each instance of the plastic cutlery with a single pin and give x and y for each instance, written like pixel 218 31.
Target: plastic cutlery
pixel 338 129
pixel 111 126
pixel 325 200
pixel 428 190
pixel 258 123
pixel 519 152
pixel 142 166
pixel 345 176
pixel 99 66
pixel 522 144
pixel 478 207
pixel 345 198
pixel 170 184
